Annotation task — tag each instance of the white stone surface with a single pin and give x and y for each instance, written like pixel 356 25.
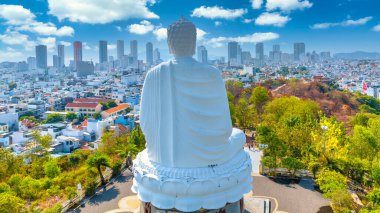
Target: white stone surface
pixel 194 158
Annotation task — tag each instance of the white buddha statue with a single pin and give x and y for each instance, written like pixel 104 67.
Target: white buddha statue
pixel 194 158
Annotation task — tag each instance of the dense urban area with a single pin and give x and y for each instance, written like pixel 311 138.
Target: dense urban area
pixel 66 129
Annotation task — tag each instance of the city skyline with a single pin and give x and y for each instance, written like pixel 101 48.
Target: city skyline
pixel 341 28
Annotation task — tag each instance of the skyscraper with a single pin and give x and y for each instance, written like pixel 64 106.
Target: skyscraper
pixel 56 61
pixel 275 55
pixel 103 54
pixel 133 48
pixel 120 49
pixel 202 54
pixel 156 56
pixel 232 51
pixel 41 56
pixel 77 51
pixel 149 53
pixel 299 51
pixel 260 51
pixel 61 55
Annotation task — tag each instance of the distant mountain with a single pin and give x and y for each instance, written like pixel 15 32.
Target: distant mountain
pixel 358 55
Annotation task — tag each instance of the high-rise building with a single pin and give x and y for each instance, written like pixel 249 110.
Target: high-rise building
pixel 77 51
pixel 133 49
pixel 239 58
pixel 32 64
pixel 246 57
pixel 85 68
pixel 41 56
pixel 299 51
pixel 202 54
pixel 260 51
pixel 61 55
pixel 120 49
pixel 103 54
pixel 232 51
pixel 56 61
pixel 156 56
pixel 149 53
pixel 275 55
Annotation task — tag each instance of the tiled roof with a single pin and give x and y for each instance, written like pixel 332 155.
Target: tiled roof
pixel 117 108
pixel 82 105
pixel 91 100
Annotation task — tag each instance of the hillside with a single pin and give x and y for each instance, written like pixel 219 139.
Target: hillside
pixel 340 104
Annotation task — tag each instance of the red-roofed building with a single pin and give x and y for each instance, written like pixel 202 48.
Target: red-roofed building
pixel 114 111
pixel 93 100
pixel 84 108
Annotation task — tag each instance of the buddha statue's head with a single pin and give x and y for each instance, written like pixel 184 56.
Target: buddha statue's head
pixel 182 37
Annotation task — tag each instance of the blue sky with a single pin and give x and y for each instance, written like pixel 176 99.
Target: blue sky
pixel 324 25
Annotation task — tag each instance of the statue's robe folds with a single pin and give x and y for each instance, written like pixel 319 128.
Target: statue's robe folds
pixel 185 116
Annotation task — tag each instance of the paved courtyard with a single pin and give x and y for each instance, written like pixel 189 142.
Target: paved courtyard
pixel 292 198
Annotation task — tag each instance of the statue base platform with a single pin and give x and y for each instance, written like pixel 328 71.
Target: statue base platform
pixel 236 207
pixel 191 189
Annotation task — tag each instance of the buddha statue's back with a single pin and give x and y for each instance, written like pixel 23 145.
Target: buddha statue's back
pixel 194 158
pixel 185 115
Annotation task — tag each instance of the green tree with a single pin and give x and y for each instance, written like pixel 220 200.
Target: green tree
pixel 54 118
pixel 137 138
pixel 270 162
pixel 41 142
pixel 11 203
pixel 375 171
pixel 259 97
pixel 9 164
pixel 71 116
pixel 341 201
pixel 245 115
pixel 52 169
pixel 231 105
pixel 292 165
pixel 97 161
pixel 111 104
pixel 364 144
pixel 331 181
pixel 97 116
pixel 374 198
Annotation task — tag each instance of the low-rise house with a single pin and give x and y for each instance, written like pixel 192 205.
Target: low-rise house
pixel 84 108
pixel 115 111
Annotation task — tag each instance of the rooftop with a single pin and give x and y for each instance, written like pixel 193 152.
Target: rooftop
pixel 117 108
pixel 83 105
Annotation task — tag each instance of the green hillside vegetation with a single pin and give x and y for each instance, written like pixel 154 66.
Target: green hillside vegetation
pixel 289 119
pixel 46 182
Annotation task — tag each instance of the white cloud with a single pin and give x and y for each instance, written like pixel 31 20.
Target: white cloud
pixel 345 23
pixel 118 28
pixel 256 4
pixel 360 21
pixel 247 21
pixel 10 54
pixel 22 19
pixel 143 28
pixel 275 19
pixel 161 33
pixel 200 34
pixel 14 38
pixel 288 5
pixel 216 12
pixel 65 43
pixel 46 29
pixel 377 28
pixel 86 46
pixel 111 46
pixel 253 38
pixel 218 23
pixel 15 14
pixel 100 11
pixel 50 42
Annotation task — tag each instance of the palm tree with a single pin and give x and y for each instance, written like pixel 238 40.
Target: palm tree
pixel 98 160
pixel 128 151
